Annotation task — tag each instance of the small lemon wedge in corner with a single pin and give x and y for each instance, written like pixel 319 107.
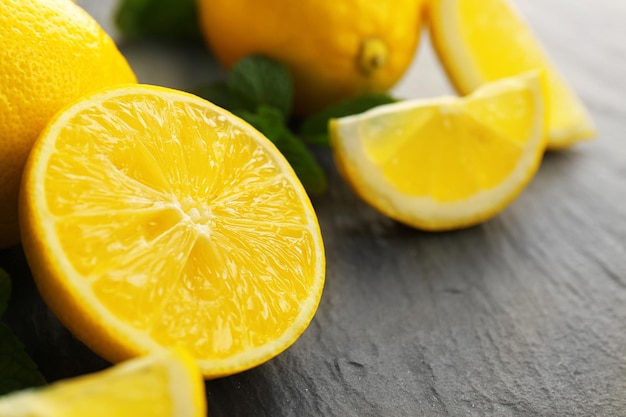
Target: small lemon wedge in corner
pixel 166 384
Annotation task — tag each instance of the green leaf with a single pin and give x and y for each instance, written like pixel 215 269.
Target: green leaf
pixel 271 123
pixel 5 290
pixel 259 90
pixel 17 370
pixel 221 94
pixel 158 18
pixel 314 130
pixel 262 81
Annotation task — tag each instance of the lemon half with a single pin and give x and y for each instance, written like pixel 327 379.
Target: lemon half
pixel 151 219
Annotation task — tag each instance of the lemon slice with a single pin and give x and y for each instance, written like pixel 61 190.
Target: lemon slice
pixel 152 218
pixel 448 162
pixel 479 41
pixel 162 385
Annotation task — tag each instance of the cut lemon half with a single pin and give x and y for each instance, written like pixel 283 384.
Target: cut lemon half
pixel 162 385
pixel 448 162
pixel 479 41
pixel 152 218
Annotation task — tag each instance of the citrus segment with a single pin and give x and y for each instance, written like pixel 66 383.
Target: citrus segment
pixel 51 53
pixel 447 162
pixel 479 41
pixel 153 218
pixel 160 385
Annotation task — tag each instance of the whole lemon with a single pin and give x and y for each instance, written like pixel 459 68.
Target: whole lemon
pixel 334 49
pixel 51 52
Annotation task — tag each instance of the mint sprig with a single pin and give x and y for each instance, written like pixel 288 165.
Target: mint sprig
pixel 158 18
pixel 17 369
pixel 260 91
pixel 314 130
pixel 270 121
pixel 261 81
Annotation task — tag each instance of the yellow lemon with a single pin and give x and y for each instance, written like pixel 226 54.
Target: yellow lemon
pixel 447 162
pixel 51 52
pixel 152 218
pixel 483 40
pixel 334 49
pixel 160 385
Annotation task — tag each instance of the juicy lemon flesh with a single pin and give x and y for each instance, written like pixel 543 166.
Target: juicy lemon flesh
pixel 447 162
pixel 488 40
pixel 183 226
pixel 446 151
pixel 157 386
pixel 496 55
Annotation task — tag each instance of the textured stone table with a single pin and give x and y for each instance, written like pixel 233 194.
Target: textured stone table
pixel 524 315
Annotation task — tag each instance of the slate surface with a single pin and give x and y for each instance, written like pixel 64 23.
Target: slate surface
pixel 524 315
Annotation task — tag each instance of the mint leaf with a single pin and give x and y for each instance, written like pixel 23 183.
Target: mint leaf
pixel 5 291
pixel 262 81
pixel 17 370
pixel 158 18
pixel 260 91
pixel 220 94
pixel 314 130
pixel 271 123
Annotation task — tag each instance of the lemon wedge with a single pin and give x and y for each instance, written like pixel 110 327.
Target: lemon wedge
pixel 447 162
pixel 479 41
pixel 167 384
